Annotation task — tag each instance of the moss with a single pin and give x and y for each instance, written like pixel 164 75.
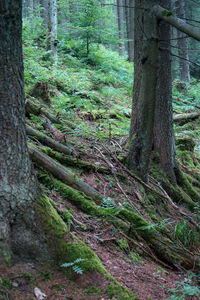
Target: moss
pixel 94 289
pixel 179 196
pixel 51 221
pixel 77 198
pixel 186 157
pixel 138 222
pixel 67 217
pixel 78 249
pixel 167 13
pixel 120 293
pixel 124 244
pixel 136 257
pixel 187 186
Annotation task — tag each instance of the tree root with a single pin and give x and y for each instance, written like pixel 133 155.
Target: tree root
pixel 161 245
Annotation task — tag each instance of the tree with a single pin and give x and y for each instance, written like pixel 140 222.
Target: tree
pixel 148 115
pixel 120 26
pixel 129 13
pixel 182 44
pixel 18 185
pixel 164 142
pixel 53 26
pixel 141 142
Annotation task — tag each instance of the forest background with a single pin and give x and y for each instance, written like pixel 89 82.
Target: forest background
pixel 79 60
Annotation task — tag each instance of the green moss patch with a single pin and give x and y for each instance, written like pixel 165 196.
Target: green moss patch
pixel 120 293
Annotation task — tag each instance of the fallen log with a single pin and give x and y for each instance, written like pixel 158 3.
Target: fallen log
pixel 42 160
pixel 32 108
pixel 35 109
pixel 186 102
pixel 45 140
pixel 186 117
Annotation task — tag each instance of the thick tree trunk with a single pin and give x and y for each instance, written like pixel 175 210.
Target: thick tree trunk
pixel 182 44
pixel 164 142
pixel 18 186
pixel 141 145
pixel 120 26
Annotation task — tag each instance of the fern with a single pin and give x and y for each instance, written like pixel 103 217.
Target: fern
pixel 77 269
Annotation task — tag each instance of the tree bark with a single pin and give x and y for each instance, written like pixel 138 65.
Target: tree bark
pixel 164 142
pixel 44 13
pixel 138 46
pixel 54 41
pixel 182 44
pixel 141 144
pixel 18 186
pixel 129 13
pixel 120 26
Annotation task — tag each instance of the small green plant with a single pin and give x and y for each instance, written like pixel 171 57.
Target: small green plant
pixel 159 225
pixel 183 290
pixel 77 269
pixel 94 289
pixel 185 234
pixel 136 257
pixel 124 244
pixel 108 203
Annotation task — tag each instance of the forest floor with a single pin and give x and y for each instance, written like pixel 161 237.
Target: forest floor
pixel 141 274
pixel 90 113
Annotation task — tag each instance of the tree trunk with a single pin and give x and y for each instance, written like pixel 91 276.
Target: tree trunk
pixel 120 26
pixel 129 12
pixel 31 6
pixel 54 41
pixel 141 145
pixel 18 186
pixel 144 93
pixel 182 44
pixel 164 142
pixel 44 13
pixel 138 46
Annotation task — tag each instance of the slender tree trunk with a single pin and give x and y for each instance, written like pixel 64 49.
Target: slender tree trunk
pixel 138 46
pixel 141 144
pixel 44 13
pixel 182 44
pixel 164 142
pixel 120 26
pixel 18 186
pixel 31 6
pixel 129 12
pixel 54 41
